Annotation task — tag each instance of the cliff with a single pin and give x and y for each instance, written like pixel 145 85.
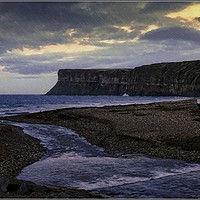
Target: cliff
pixel 163 79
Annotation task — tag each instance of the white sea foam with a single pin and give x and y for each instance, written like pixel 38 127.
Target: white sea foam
pixel 16 104
pixel 115 180
pixel 173 172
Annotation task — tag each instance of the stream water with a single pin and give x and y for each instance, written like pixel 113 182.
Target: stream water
pixel 73 162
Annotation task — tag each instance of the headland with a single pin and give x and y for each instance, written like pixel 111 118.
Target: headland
pixel 160 79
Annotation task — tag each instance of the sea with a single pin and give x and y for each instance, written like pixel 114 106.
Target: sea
pixel 73 162
pixel 18 104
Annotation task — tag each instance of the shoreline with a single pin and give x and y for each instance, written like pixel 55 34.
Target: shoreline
pixel 164 129
pixel 18 150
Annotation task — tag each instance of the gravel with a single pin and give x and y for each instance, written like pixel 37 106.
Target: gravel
pixel 166 129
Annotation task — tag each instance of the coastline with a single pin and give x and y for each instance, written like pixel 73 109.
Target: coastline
pixel 165 129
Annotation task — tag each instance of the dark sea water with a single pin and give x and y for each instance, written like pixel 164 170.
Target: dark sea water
pixel 16 104
pixel 73 162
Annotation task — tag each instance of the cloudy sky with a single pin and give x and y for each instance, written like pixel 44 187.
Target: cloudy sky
pixel 37 39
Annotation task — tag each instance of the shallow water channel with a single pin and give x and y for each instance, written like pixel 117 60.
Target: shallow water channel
pixel 73 162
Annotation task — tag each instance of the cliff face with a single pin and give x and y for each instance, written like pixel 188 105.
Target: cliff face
pixel 177 79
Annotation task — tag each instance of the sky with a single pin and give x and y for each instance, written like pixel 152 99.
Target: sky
pixel 38 39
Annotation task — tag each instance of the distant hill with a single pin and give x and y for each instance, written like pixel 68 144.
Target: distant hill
pixel 162 79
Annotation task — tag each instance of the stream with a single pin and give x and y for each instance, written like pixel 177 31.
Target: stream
pixel 73 162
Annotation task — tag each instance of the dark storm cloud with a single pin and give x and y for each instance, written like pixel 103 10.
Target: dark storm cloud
pixel 173 33
pixel 37 24
pixel 50 16
pixel 12 40
pixel 163 6
pixel 33 25
pixel 47 14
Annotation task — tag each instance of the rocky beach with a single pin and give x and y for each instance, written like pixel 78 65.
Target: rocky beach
pixel 17 150
pixel 165 130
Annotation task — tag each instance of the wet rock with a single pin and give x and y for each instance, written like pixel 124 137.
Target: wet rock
pixel 4 181
pixel 63 195
pixel 24 189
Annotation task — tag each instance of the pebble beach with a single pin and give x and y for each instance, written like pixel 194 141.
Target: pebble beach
pixel 164 130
